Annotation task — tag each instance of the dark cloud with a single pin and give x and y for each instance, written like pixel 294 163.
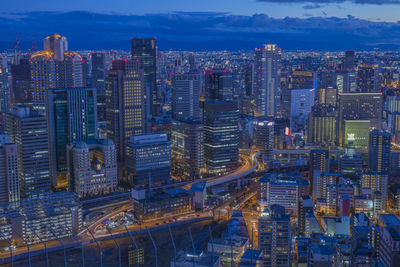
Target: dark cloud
pixel 200 31
pixel 361 2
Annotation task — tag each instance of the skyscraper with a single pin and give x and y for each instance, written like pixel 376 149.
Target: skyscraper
pixel 221 136
pixel 187 151
pixel 264 138
pixel 72 117
pixel 266 79
pixel 219 84
pixel 98 82
pixel 359 106
pixel 186 96
pixel 379 151
pixel 56 43
pixel 21 82
pixel 144 50
pixel 367 80
pixel 274 236
pixel 125 103
pixel 9 180
pixel 29 131
pixel 322 125
pixel 349 59
pixel 148 159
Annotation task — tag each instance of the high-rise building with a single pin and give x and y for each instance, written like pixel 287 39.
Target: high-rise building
pixel 346 81
pixel 21 82
pixel 249 79
pixel 264 138
pixel 144 50
pixel 125 103
pixel 98 61
pixel 327 96
pixel 4 90
pixel 319 160
pixel 29 131
pixel 9 180
pixel 148 159
pixel 187 151
pixel 221 136
pixel 72 117
pixel 367 80
pixel 379 151
pixel 56 43
pixel 266 80
pixel 186 96
pixel 377 182
pixel 92 167
pixel 359 106
pixel 350 163
pixel 349 59
pixel 274 237
pixel 322 125
pixel 306 205
pixel 219 84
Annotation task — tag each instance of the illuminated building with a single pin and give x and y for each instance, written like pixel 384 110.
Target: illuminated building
pixel 350 163
pixel 219 85
pixel 377 182
pixel 144 50
pixel 322 125
pixel 389 247
pixel 356 133
pixel 72 117
pixel 29 131
pixel 301 102
pixel 281 189
pixel 346 81
pixel 249 79
pixel 367 80
pixel 56 43
pixel 9 179
pixel 187 151
pixel 264 138
pixel 301 80
pixel 186 96
pixel 98 61
pixel 221 136
pixel 306 205
pixel 92 167
pixel 4 90
pixel 327 96
pixel 266 80
pixel 148 159
pixel 135 256
pixel 54 67
pixel 274 237
pixel 125 103
pixel 319 160
pixel 49 216
pixel 171 201
pixel 379 151
pixel 359 106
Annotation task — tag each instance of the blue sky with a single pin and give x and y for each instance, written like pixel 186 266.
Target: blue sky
pixel 206 24
pixel 274 8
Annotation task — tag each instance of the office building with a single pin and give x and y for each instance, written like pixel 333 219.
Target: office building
pixel 144 50
pixel 264 138
pixel 322 125
pixel 9 179
pixel 378 183
pixel 72 117
pixel 186 96
pixel 356 133
pixel 319 160
pixel 267 80
pixel 57 44
pixel 367 79
pixel 346 81
pixel 359 106
pixel 379 151
pixel 125 103
pixel 349 59
pixel 221 136
pixel 327 96
pixel 21 82
pixel 389 246
pixel 148 159
pixel 274 237
pixel 187 149
pixel 350 163
pixel 306 206
pixel 98 61
pixel 92 167
pixel 301 102
pixel 29 131
pixel 219 85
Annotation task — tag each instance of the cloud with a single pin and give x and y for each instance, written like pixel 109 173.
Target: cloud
pixel 200 31
pixel 361 2
pixel 312 6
